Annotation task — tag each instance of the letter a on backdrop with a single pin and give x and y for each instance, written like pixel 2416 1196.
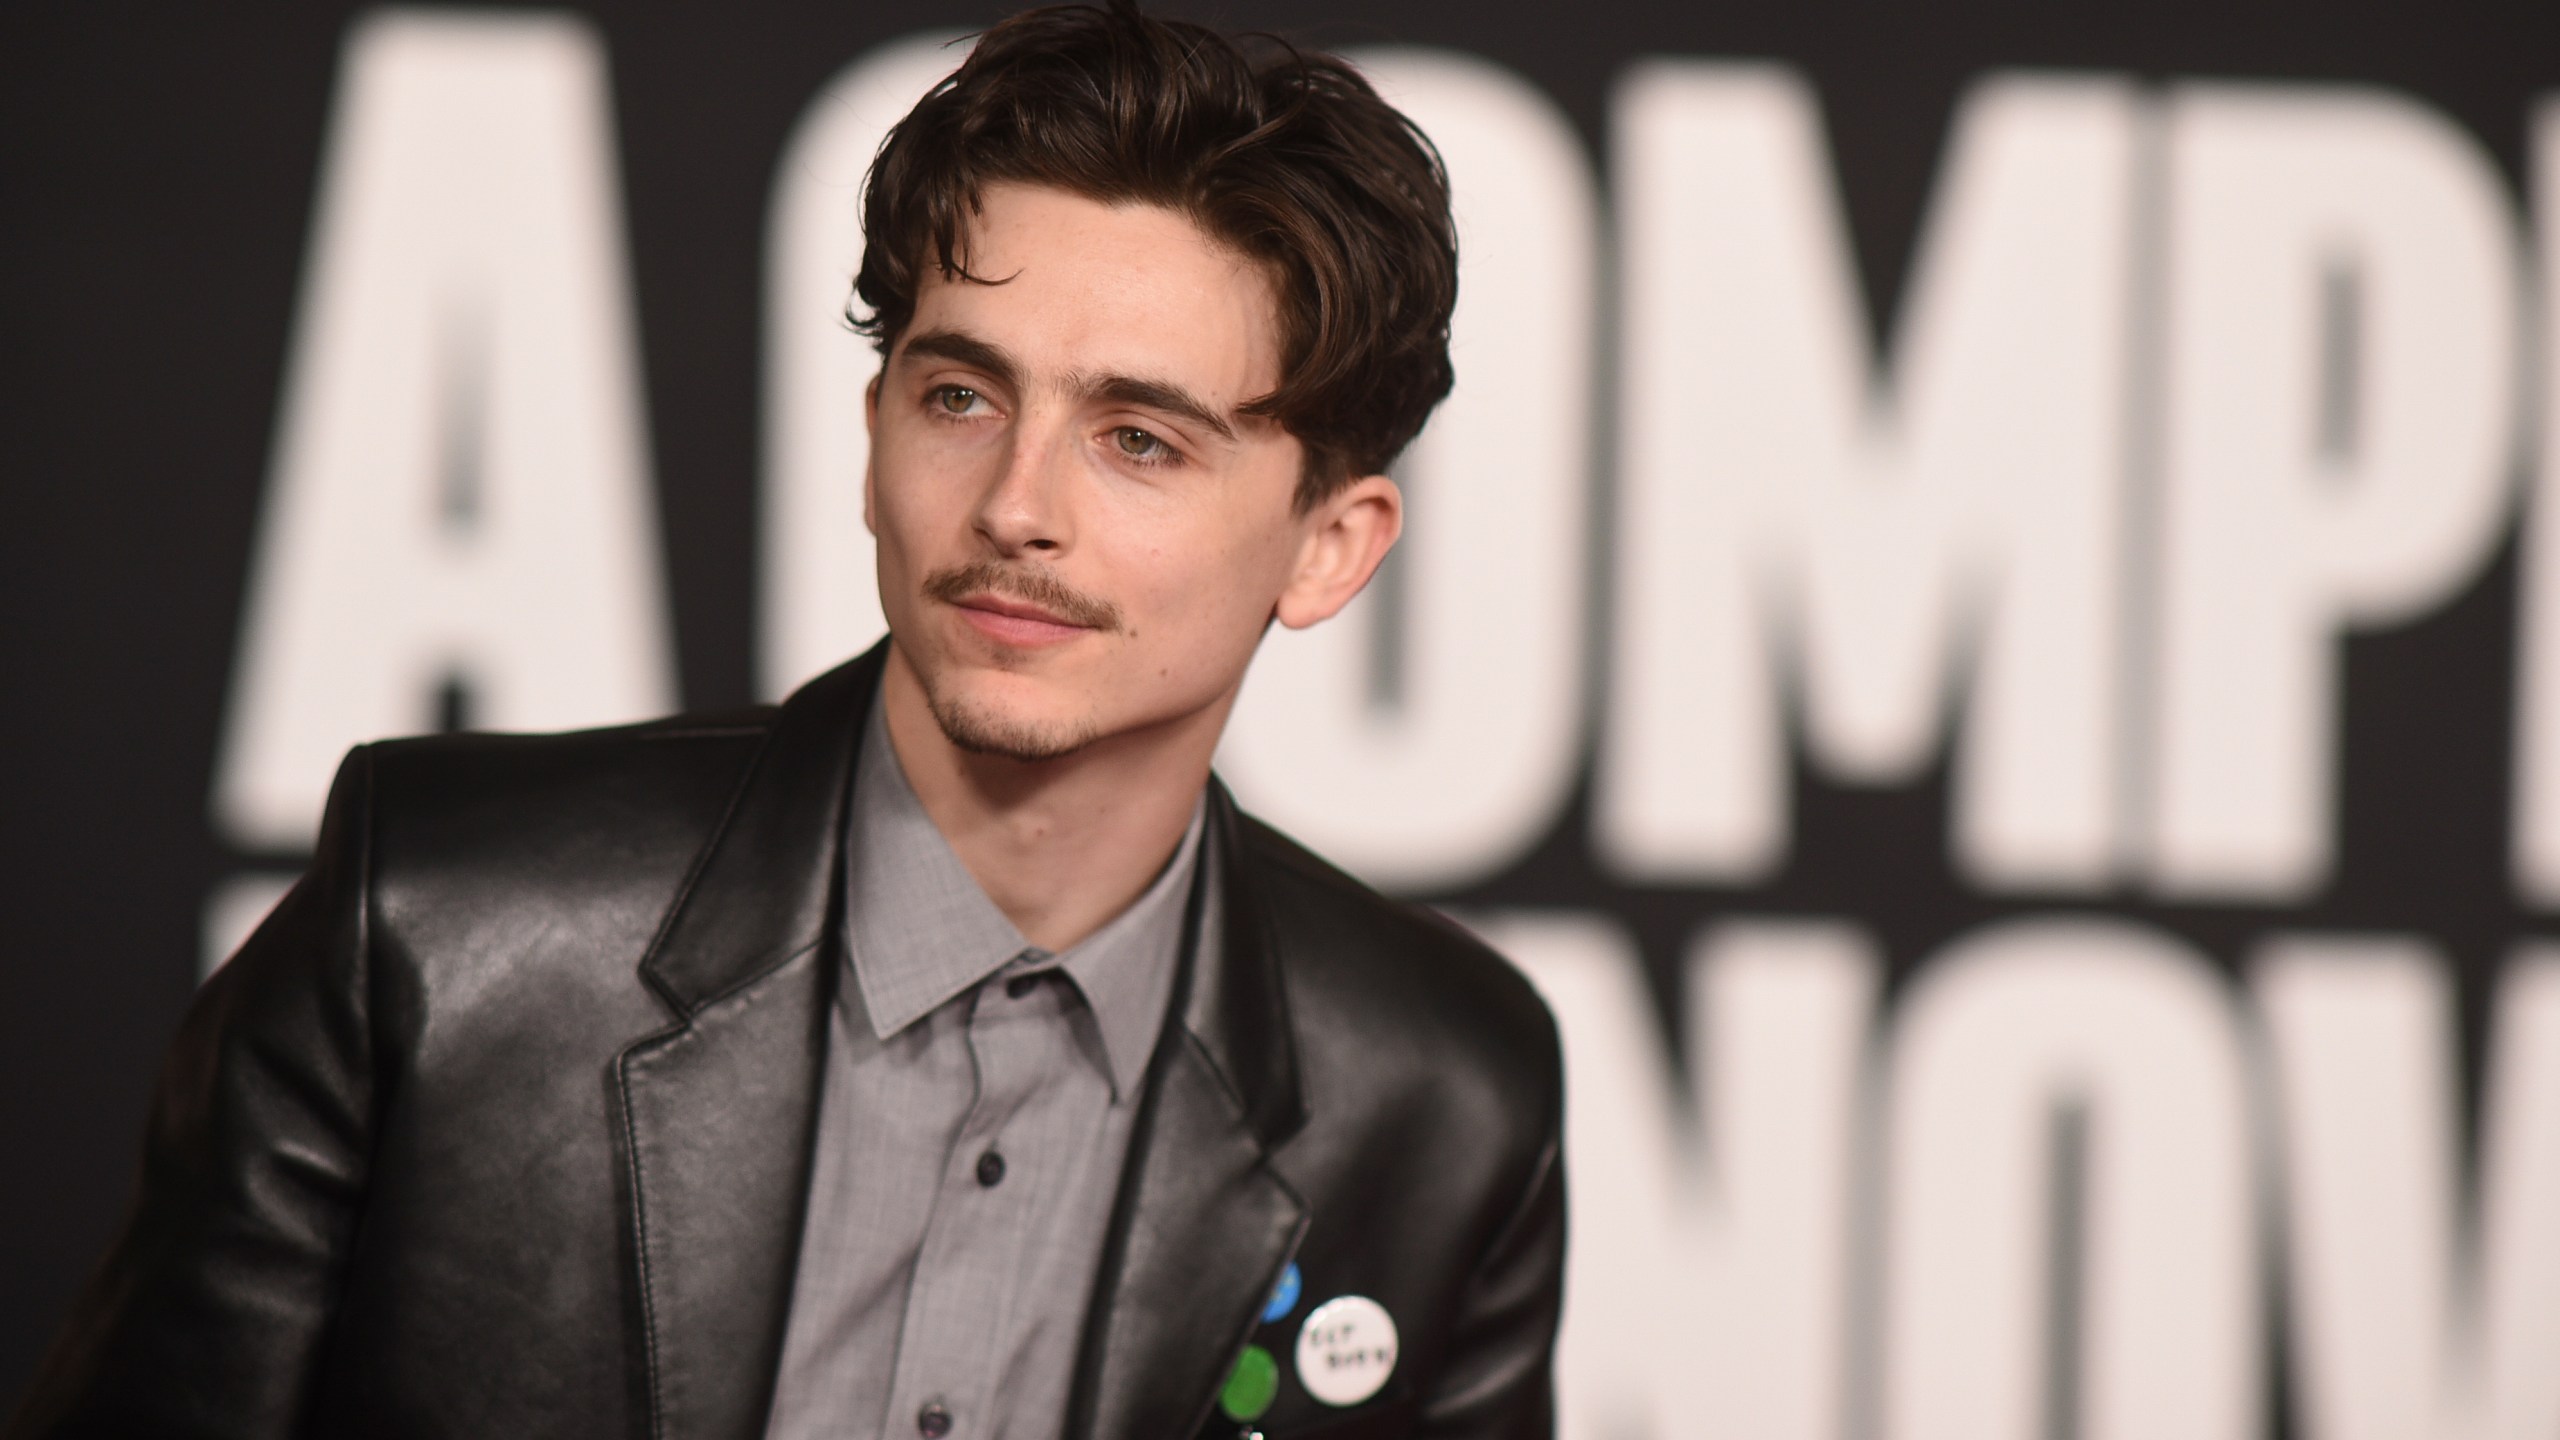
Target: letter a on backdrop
pixel 460 504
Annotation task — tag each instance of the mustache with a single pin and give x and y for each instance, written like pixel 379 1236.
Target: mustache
pixel 1030 586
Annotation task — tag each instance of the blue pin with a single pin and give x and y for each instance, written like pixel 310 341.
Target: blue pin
pixel 1284 1296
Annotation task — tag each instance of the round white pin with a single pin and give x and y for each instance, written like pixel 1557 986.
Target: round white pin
pixel 1346 1350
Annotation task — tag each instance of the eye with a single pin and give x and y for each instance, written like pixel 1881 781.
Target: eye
pixel 1137 444
pixel 954 399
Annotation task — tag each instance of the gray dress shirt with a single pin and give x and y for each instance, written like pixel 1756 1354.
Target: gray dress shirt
pixel 977 1104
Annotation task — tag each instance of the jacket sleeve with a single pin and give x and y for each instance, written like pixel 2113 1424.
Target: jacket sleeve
pixel 1498 1382
pixel 209 1312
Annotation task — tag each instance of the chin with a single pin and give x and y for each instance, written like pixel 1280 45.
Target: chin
pixel 984 729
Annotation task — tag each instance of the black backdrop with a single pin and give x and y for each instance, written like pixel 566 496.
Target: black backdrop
pixel 157 168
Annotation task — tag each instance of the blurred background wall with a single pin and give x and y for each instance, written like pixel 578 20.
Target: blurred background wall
pixel 1985 620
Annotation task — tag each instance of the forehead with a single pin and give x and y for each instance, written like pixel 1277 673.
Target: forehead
pixel 1088 287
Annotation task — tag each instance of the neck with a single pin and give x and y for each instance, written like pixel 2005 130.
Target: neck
pixel 1059 845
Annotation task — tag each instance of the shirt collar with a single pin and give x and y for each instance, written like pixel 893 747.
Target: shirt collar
pixel 1125 969
pixel 920 930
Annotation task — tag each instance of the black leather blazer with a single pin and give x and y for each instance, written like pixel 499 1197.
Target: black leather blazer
pixel 500 1126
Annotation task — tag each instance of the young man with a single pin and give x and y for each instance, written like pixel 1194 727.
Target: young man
pixel 940 1053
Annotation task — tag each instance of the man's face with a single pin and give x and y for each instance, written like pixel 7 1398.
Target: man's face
pixel 1079 536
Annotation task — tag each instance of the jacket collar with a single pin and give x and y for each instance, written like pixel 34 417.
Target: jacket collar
pixel 1238 1007
pixel 719 1112
pixel 762 889
pixel 1204 1223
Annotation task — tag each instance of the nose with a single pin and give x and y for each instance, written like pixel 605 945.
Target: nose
pixel 1025 509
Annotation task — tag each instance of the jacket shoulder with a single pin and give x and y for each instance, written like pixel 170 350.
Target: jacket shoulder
pixel 527 786
pixel 478 844
pixel 1365 969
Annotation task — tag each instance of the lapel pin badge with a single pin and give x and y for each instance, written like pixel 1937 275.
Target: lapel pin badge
pixel 1346 1350
pixel 1250 1387
pixel 1284 1296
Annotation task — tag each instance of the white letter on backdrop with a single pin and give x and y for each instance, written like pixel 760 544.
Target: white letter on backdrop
pixel 2401 1330
pixel 2005 1032
pixel 2537 786
pixel 818 593
pixel 2340 409
pixel 461 488
pixel 1708 1292
pixel 1468 765
pixel 1780 500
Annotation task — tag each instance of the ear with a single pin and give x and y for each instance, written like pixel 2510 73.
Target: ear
pixel 871 432
pixel 1346 537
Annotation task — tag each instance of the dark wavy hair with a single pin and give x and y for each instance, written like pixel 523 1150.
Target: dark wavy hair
pixel 1290 158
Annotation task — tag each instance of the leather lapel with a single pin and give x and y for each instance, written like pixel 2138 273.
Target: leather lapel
pixel 761 889
pixel 719 1111
pixel 1203 1224
pixel 718 1116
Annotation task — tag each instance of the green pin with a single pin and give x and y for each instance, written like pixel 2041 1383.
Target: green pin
pixel 1251 1386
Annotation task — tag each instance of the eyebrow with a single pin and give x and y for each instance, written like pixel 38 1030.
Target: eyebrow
pixel 1156 395
pixel 961 348
pixel 967 350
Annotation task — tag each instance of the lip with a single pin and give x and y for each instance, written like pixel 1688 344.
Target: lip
pixel 1015 622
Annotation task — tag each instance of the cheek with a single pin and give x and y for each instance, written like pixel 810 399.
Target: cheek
pixel 1210 594
pixel 914 489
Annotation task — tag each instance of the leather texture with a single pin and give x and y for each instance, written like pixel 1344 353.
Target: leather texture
pixel 501 1124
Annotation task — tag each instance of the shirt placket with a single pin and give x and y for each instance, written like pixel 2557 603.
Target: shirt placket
pixel 980 1235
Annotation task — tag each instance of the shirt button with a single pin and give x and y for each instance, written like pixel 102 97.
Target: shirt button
pixel 933 1421
pixel 990 1169
pixel 1021 985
